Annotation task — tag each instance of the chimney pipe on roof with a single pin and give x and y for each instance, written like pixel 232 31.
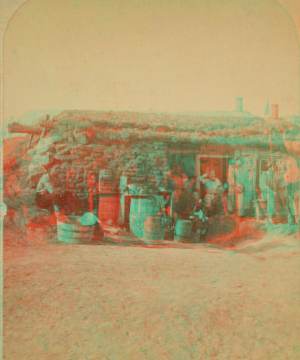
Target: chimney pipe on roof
pixel 274 111
pixel 239 104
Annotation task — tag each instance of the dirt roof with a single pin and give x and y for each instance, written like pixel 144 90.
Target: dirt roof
pixel 173 128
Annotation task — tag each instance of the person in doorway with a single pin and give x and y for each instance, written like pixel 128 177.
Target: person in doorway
pixel 213 187
pixel 177 180
pixel 236 189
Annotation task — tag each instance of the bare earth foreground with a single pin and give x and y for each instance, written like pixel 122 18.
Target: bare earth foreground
pixel 120 302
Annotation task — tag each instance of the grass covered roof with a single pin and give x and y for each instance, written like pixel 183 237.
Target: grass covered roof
pixel 185 128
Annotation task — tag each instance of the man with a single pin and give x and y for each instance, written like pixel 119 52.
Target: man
pixel 46 197
pixel 27 191
pixel 292 181
pixel 177 181
pixel 280 190
pixel 236 189
pixel 212 192
pixel 271 190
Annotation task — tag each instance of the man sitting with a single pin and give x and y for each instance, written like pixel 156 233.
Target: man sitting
pixel 186 202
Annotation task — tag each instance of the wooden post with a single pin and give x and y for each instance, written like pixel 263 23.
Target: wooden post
pixel 30 140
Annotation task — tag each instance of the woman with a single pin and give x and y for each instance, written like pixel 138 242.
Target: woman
pixel 213 187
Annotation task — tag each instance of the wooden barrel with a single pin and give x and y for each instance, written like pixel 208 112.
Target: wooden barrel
pixel 183 230
pixel 109 208
pixel 108 181
pixel 153 229
pixel 73 233
pixel 141 207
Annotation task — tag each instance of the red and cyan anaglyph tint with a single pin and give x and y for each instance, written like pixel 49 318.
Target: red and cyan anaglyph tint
pixel 155 177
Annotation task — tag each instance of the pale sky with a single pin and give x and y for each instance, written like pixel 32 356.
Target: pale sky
pixel 158 55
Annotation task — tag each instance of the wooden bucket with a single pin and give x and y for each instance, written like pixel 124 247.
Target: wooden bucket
pixel 183 230
pixel 41 234
pixel 109 208
pixel 73 233
pixel 141 207
pixel 153 229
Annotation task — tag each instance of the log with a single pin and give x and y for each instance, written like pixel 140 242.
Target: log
pixel 49 125
pixel 15 128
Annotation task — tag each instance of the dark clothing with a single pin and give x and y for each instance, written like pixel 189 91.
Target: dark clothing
pixel 165 205
pixel 47 201
pixel 217 206
pixel 44 201
pixel 185 204
pixel 202 191
pixel 75 204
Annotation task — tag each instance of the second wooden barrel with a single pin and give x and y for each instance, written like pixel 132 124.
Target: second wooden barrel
pixel 141 207
pixel 153 229
pixel 109 208
pixel 183 230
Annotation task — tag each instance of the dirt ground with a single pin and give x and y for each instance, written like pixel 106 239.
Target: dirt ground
pixel 100 302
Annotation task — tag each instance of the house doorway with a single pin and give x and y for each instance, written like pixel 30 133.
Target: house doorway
pixel 218 163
